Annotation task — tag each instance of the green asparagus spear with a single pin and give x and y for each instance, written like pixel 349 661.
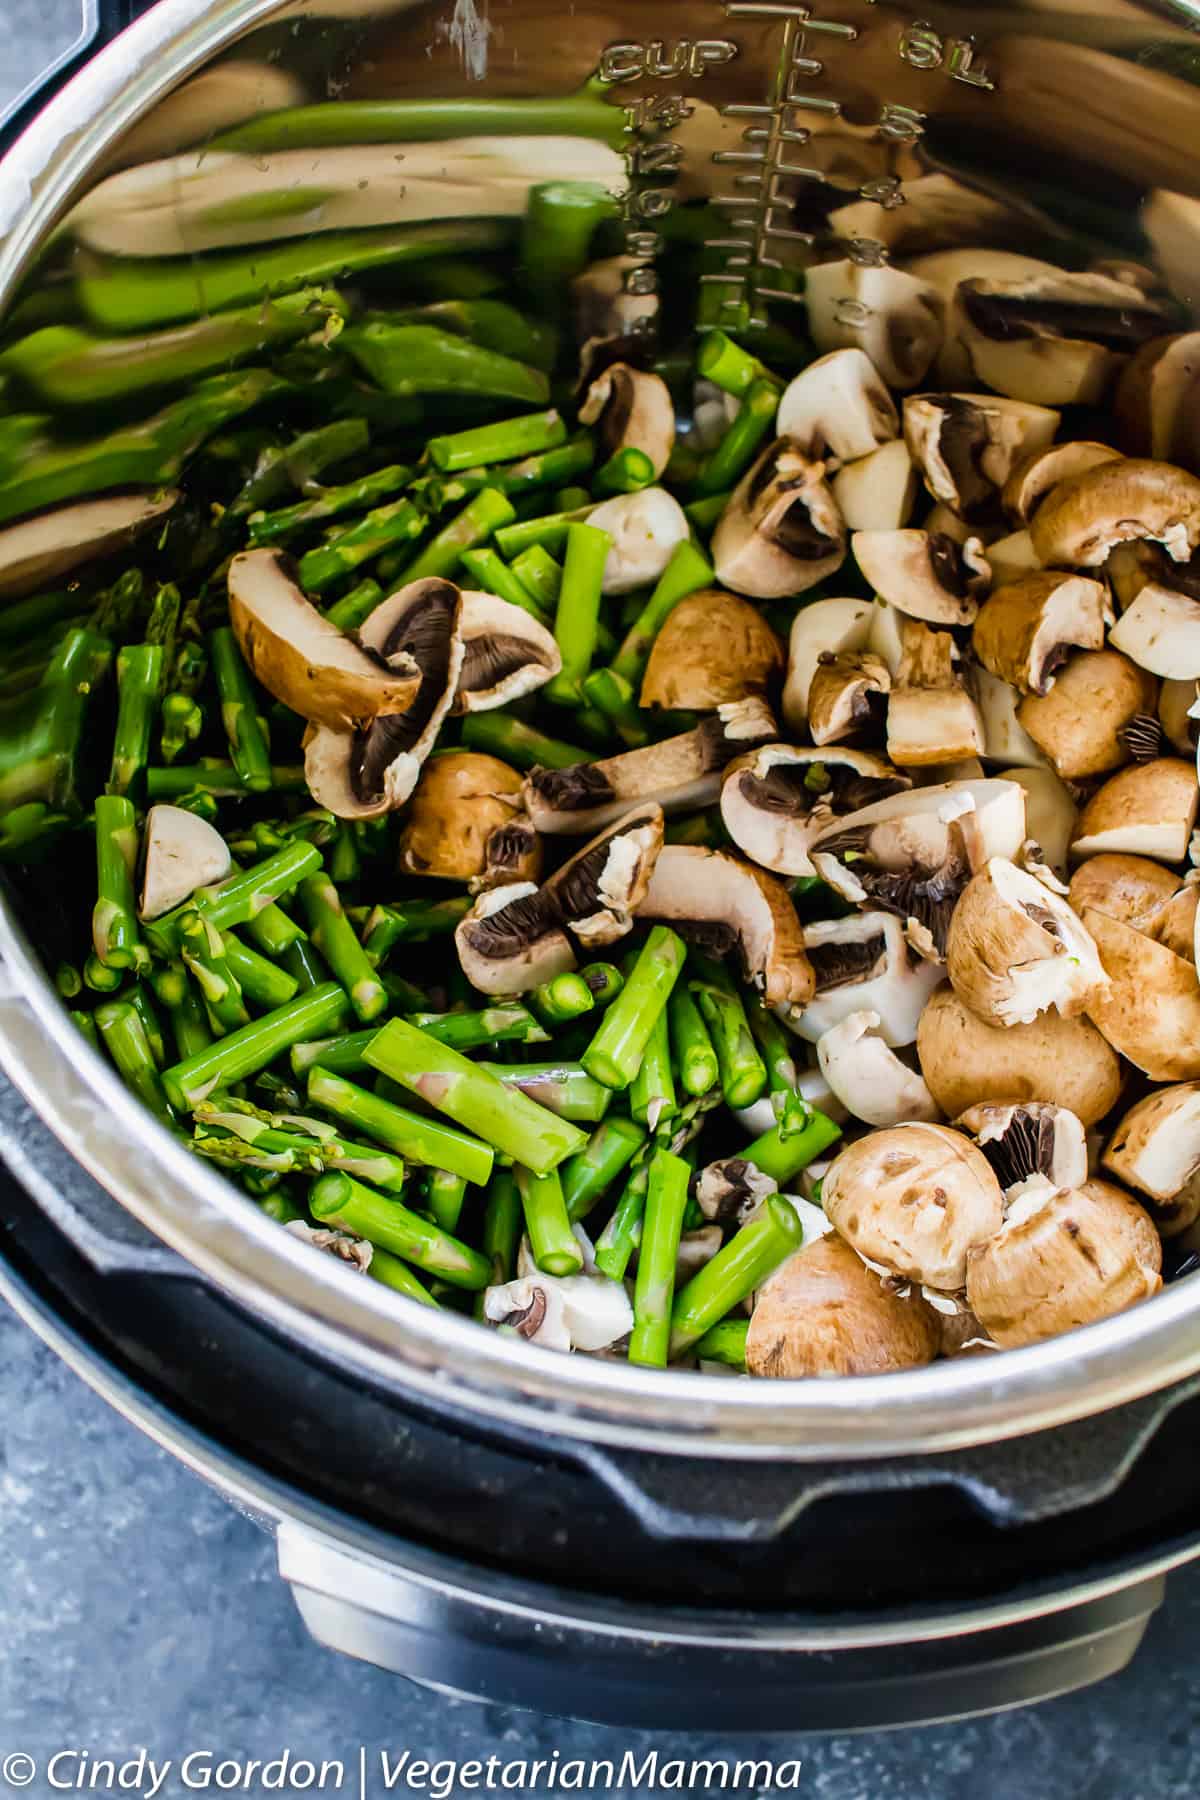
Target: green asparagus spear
pixel 490 574
pixel 729 364
pixel 561 218
pixel 328 503
pixel 503 1218
pixel 703 514
pixel 615 1053
pixel 691 1046
pixel 782 1154
pixel 185 1009
pixel 549 531
pixel 411 1135
pixel 203 950
pixel 246 1051
pixel 564 1088
pixel 337 1199
pixel 505 441
pixel 86 1023
pixel 294 466
pixel 248 747
pixel 138 996
pixel 652 1093
pixel 116 937
pixel 356 607
pixel 561 999
pixel 124 1037
pixel 540 575
pixel 578 611
pixel 471 527
pixel 735 1271
pixel 686 572
pixel 500 735
pixel 261 981
pixel 604 982
pixel 739 446
pixel 333 935
pixel 586 113
pixel 399 522
pixel 245 897
pixel 742 1071
pixel 621 1236
pixel 590 1174
pixel 139 679
pixel 99 977
pixel 627 471
pixel 444 1196
pixel 414 922
pixel 662 1224
pixel 210 776
pixel 420 359
pixel 556 1249
pixel 301 961
pixel 391 1272
pixel 724 1343
pixel 611 695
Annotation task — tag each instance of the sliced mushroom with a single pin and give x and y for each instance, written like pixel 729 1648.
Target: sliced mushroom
pixel 1083 519
pixel 868 1077
pixel 1156 1149
pixel 714 648
pixel 1177 925
pixel 846 696
pixel 862 964
pixel 1072 1256
pixel 1150 1010
pixel 925 574
pixel 1064 1061
pixel 1146 810
pixel 364 773
pixel 1011 557
pixel 677 773
pixel 1155 399
pixel 1080 723
pixel 916 1199
pixel 1161 632
pixel 726 904
pixel 931 717
pixel 729 1191
pixel 826 628
pixel 512 939
pixel 1029 1138
pixel 598 891
pixel 966 445
pixel 506 653
pixel 1131 889
pixel 605 306
pixel 1005 740
pixel 562 1312
pixel 1015 949
pixel 837 407
pixel 1026 629
pixel 343 1245
pixel 35 552
pixel 877 492
pixel 893 317
pixel 1038 471
pixel 776 800
pixel 945 270
pixel 1049 819
pixel 183 852
pixel 645 529
pixel 824 1312
pixel 1055 340
pixel 781 531
pixel 466 822
pixel 1179 714
pixel 631 409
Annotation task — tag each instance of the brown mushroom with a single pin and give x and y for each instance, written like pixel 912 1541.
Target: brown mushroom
pixel 36 552
pixel 1079 724
pixel 846 696
pixel 867 1077
pixel 714 648
pixel 1081 520
pixel 824 1312
pixel 724 903
pixel 183 852
pixel 781 531
pixel 1179 715
pixel 966 445
pixel 824 628
pixel 931 716
pixel 1026 629
pixel 1160 630
pixel 631 409
pixel 506 654
pixel 512 940
pixel 1053 339
pixel 1015 949
pixel 924 574
pixel 597 891
pixel 1065 1061
pixel 1156 1150
pixel 1026 1139
pixel 862 963
pixel 1038 471
pixel 877 492
pixel 1156 396
pixel 466 822
pixel 1131 889
pixel 1146 810
pixel 837 407
pixel 893 316
pixel 1150 1011
pixel 776 800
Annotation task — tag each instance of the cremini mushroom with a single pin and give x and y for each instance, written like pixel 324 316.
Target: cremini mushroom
pixel 728 1191
pixel 776 800
pixel 599 889
pixel 1083 519
pixel 877 492
pixel 1011 557
pixel 1079 724
pixel 645 528
pixel 862 964
pixel 1147 809
pixel 586 1312
pixel 676 773
pixel 466 822
pixel 1177 923
pixel 915 1198
pixel 506 653
pixel 966 445
pixel 183 852
pixel 1026 630
pixel 606 307
pixel 631 409
pixel 924 574
pixel 1054 340
pixel 512 939
pixel 1022 1139
pixel 726 904
pixel 895 318
pixel 35 552
pixel 1131 889
pixel 1064 1258
pixel 1179 714
pixel 1064 1061
pixel 1160 631
pixel 1035 473
pixel 714 648
pixel 825 628
pixel 1050 814
pixel 945 270
pixel 1150 1011
pixel 824 1312
pixel 1005 740
pixel 837 407
pixel 931 714
pixel 847 696
pixel 1155 399
pixel 781 531
pixel 1155 1149
pixel 867 1076
pixel 1015 949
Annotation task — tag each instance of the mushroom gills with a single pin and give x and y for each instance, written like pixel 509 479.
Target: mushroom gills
pixel 1031 1138
pixel 424 631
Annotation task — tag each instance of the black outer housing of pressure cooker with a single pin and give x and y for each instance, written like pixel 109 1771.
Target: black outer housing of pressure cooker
pixel 542 1572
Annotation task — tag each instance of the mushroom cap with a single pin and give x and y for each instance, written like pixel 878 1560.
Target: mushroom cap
pixel 714 648
pixel 1078 724
pixel 967 444
pixel 1053 338
pixel 1080 1254
pixel 1083 518
pixel 777 799
pixel 823 1312
pixel 506 653
pixel 1150 1011
pixel 861 963
pixel 781 531
pixel 827 627
pixel 1178 923
pixel 1147 809
pixel 183 852
pixel 304 661
pixel 709 888
pixel 877 492
pixel 602 306
pixel 632 409
pixel 1160 630
pixel 1156 1150
pixel 1154 396
pixel 964 1060
pixel 914 1198
pixel 461 801
pixel 894 317
pixel 1015 949
pixel 838 407
pixel 1030 1139
pixel 1024 629
pixel 1131 889
pixel 511 940
pixel 1035 473
pixel 924 574
pixel 867 1076
pixel 35 552
pixel 645 529
pixel 844 695
pixel 599 889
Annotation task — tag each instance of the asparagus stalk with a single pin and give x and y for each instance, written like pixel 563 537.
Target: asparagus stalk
pixel 505 441
pixel 388 1269
pixel 561 999
pixel 244 728
pixel 703 514
pixel 564 1088
pixel 590 1174
pixel 99 977
pixel 627 471
pixel 333 935
pixel 611 696
pixel 261 981
pixel 138 996
pixel 500 1235
pixel 329 503
pixel 185 1009
pixel 604 982
pixel 420 359
pixel 476 523
pixel 124 1037
pixel 411 1135
pixel 561 219
pixel 615 1053
pixel 662 1225
pixel 356 607
pixel 492 575
pixel 399 522
pixel 540 575
pixel 743 1073
pixel 686 572
pixel 245 1051
pixel 549 531
pixel 652 1094
pixel 86 1023
pixel 621 1236
pixel 742 1265
pixel 203 950
pixel 578 611
pixel 220 779
pixel 500 735
pixel 232 1131
pixel 782 1153
pixel 737 449
pixel 691 1046
pixel 720 359
pixel 301 961
pixel 245 897
pixel 585 113
pixel 413 922
pixel 444 1196
pixel 337 1199
pixel 116 937
pixel 139 680
pixel 724 1343
pixel 556 1249
pixel 296 464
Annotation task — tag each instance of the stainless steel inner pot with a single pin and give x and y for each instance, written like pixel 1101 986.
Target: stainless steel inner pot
pixel 1032 94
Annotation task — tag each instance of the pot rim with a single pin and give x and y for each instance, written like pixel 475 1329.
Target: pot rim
pixel 442 1357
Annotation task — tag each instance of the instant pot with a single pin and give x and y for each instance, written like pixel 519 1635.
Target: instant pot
pixel 565 1533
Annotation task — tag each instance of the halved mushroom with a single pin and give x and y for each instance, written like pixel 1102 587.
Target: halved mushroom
pixel 1080 724
pixel 931 717
pixel 183 852
pixel 1015 949
pixel 914 853
pixel 827 627
pixel 1064 1061
pixel 936 208
pixel 1130 889
pixel 925 574
pixel 868 1077
pixel 466 822
pixel 304 661
pixel 1179 714
pixel 631 409
pixel 35 552
pixel 1005 740
pixel 1146 810
pixel 781 531
pixel 776 800
pixel 1049 819
pixel 1177 924
pixel 1054 340
pixel 1150 1010
pixel 1038 471
pixel 730 1190
pixel 605 306
pixel 877 492
pixel 1171 223
pixel 645 529
pixel 1155 399
pixel 506 653
pixel 369 771
pixel 862 964
pixel 1161 632
pixel 676 773
pixel 966 445
pixel 725 904
pixel 512 939
pixel 915 1198
pixel 837 407
pixel 714 648
pixel 598 891
pixel 1064 1258
pixel 1029 1138
pixel 824 1312
pixel 343 1245
pixel 1026 629
pixel 1083 519
pixel 846 696
pixel 1011 557
pixel 893 317
pixel 1156 1149
pixel 946 270
pixel 585 1312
